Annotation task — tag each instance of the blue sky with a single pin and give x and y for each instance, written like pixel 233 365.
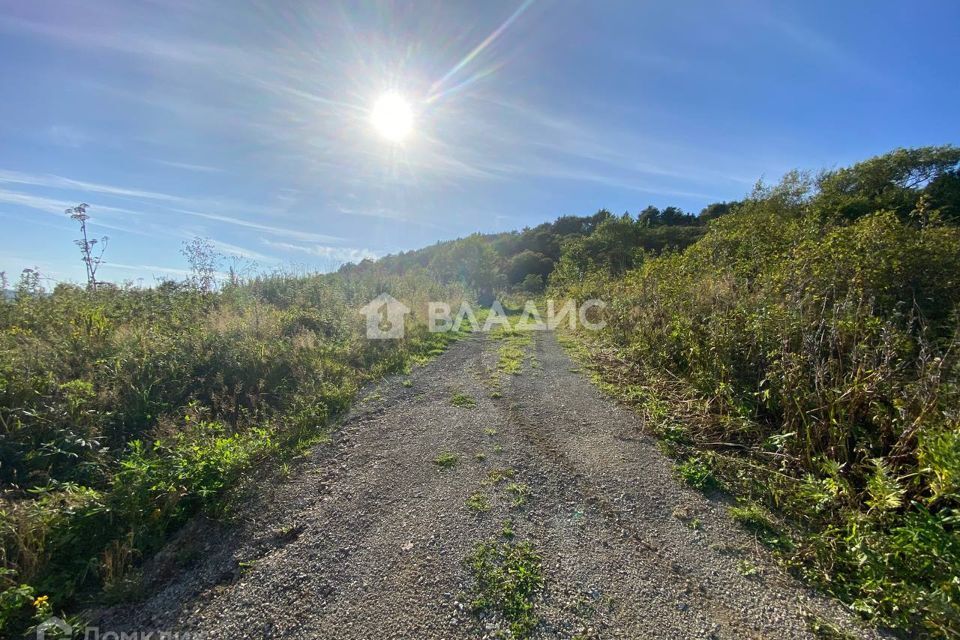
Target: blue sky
pixel 248 122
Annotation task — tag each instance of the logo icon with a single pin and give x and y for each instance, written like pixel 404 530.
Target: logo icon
pixel 385 317
pixel 54 628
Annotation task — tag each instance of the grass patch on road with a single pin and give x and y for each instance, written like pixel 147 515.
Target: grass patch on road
pixel 446 460
pixel 512 349
pixel 507 579
pixel 496 476
pixel 463 400
pixel 519 492
pixel 478 503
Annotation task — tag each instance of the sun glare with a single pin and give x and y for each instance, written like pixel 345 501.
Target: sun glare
pixel 392 117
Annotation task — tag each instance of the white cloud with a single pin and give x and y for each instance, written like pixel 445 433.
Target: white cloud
pixel 188 166
pixel 67 136
pixel 241 252
pixel 306 236
pixel 146 268
pixel 338 254
pixel 52 205
pixel 51 181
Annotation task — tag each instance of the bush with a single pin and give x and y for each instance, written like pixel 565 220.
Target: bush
pixel 816 326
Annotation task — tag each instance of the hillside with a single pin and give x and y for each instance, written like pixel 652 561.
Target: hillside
pixel 522 261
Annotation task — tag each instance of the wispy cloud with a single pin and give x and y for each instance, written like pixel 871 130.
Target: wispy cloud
pixel 182 205
pixel 337 254
pixel 124 41
pixel 67 136
pixel 51 181
pixel 53 205
pixel 172 271
pixel 818 46
pixel 242 252
pixel 296 234
pixel 187 166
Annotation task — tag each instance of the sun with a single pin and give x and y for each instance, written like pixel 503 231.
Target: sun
pixel 392 117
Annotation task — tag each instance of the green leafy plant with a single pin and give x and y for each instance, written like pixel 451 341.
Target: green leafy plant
pixel 478 503
pixel 696 472
pixel 446 460
pixel 519 492
pixel 463 400
pixel 507 578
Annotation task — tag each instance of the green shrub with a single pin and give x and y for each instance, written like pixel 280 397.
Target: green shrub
pixel 809 346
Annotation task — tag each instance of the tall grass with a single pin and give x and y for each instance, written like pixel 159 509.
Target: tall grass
pixel 814 355
pixel 126 412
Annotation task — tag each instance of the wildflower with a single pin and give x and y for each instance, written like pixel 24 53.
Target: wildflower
pixel 40 601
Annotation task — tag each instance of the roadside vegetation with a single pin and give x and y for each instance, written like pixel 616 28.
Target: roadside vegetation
pixel 125 412
pixel 805 355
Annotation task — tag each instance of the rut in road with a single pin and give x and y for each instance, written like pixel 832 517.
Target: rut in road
pixel 367 536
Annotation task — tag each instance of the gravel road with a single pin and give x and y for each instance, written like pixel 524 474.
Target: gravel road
pixel 366 537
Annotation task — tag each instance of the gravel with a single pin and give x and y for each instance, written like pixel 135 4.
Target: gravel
pixel 366 537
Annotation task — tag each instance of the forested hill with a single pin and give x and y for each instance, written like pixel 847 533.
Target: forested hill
pixel 524 260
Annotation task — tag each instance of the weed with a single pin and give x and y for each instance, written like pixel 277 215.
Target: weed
pixel 507 529
pixel 407 383
pixel 756 520
pixel 478 503
pixel 489 431
pixel 747 568
pixel 512 349
pixel 289 532
pixel 684 515
pixel 463 400
pixel 827 630
pixel 520 492
pixel 446 460
pixel 480 457
pixel 497 476
pixel 696 472
pixel 507 579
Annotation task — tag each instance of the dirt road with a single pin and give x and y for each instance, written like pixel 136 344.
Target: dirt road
pixel 367 536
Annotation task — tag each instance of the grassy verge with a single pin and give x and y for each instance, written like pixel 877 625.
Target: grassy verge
pixel 128 412
pixel 894 563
